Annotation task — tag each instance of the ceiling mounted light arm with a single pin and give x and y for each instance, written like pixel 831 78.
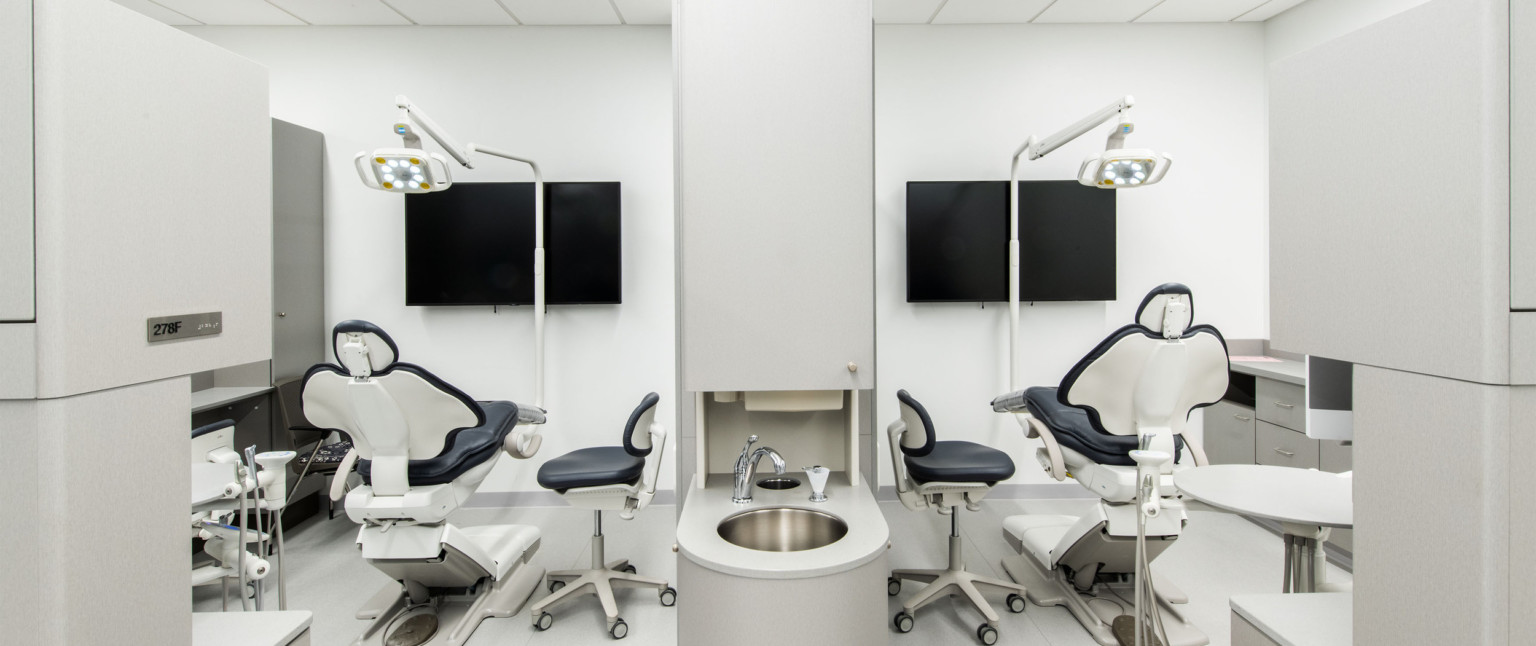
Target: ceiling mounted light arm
pixel 413 170
pixel 1116 168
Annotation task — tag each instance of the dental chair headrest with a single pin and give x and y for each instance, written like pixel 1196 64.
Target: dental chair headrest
pixel 363 348
pixel 1167 310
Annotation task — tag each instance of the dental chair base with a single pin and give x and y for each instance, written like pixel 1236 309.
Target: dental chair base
pixel 430 609
pixel 1097 609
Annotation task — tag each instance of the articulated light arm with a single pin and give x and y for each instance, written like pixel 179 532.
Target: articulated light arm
pixel 410 113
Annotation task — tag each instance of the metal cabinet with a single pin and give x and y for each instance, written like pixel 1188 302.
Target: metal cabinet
pixel 1281 404
pixel 1280 446
pixel 1229 433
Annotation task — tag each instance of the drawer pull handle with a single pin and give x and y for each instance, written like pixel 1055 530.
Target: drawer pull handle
pixel 1288 454
pixel 1240 418
pixel 1285 405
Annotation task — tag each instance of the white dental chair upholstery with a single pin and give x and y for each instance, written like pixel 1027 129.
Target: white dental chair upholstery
pixel 422 447
pixel 1137 388
pixel 616 478
pixel 945 475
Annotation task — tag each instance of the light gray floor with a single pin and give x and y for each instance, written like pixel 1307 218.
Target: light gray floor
pixel 1219 555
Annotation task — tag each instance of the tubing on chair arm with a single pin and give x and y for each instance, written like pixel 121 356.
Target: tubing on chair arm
pixel 904 489
pixel 1038 429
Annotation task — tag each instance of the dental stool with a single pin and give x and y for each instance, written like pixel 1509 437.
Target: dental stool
pixel 422 447
pixel 1137 388
pixel 617 478
pixel 945 475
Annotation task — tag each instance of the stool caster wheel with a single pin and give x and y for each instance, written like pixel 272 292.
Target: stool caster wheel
pixel 893 586
pixel 628 568
pixel 554 586
pixel 542 622
pixel 903 622
pixel 619 629
pixel 987 634
pixel 1015 603
pixel 669 597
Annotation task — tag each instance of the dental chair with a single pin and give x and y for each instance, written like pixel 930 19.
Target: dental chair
pixel 422 447
pixel 615 478
pixel 1136 389
pixel 945 475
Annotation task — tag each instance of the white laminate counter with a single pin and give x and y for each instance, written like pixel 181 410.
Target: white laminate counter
pixel 699 540
pixel 1315 619
pixel 271 628
pixel 1286 370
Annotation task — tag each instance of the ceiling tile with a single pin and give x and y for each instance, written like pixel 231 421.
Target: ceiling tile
pixel 1269 10
pixel 1199 10
pixel 158 12
pixel 342 12
pixel 989 11
pixel 453 12
pixel 646 12
pixel 563 12
pixel 909 12
pixel 1096 10
pixel 231 12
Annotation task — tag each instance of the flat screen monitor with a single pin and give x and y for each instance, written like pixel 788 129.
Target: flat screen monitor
pixel 957 242
pixel 472 244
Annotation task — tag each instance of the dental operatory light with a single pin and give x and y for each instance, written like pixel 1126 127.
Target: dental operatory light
pixel 1116 168
pixel 411 169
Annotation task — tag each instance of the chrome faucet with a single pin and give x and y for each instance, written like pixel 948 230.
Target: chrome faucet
pixel 746 468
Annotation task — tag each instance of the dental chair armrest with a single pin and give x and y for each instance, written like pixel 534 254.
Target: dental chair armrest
pixel 1036 428
pixel 1013 402
pixel 1196 451
pixel 339 481
pixel 530 414
pixel 523 444
pixel 906 490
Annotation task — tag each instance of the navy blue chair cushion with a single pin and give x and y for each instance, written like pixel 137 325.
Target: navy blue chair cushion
pixel 1074 430
pixel 466 448
pixel 591 467
pixel 957 461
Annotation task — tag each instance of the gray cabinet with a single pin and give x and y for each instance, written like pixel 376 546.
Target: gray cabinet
pixel 1281 404
pixel 1334 457
pixel 775 213
pixel 1283 447
pixel 1229 433
pixel 298 249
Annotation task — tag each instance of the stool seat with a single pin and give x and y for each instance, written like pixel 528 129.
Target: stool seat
pixel 591 467
pixel 959 461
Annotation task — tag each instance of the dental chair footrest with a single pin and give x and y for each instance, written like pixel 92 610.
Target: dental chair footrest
pixel 506 544
pixel 1036 534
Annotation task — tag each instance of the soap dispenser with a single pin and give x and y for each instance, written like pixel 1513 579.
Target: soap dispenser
pixel 818 477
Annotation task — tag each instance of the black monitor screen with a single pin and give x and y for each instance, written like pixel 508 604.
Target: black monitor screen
pixel 472 244
pixel 957 241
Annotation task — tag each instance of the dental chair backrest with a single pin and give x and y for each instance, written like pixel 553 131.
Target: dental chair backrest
pixel 1146 378
pixel 395 412
pixel 639 444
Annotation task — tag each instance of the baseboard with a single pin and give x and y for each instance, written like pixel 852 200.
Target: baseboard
pixel 1048 491
pixel 495 499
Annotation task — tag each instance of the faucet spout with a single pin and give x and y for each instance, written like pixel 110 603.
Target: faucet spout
pixel 746 469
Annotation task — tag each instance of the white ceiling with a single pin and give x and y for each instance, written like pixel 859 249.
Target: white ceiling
pixel 659 12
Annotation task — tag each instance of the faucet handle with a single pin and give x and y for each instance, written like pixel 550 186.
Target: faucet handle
pixel 750 440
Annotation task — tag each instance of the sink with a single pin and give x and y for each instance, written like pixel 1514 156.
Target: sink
pixel 782 529
pixel 778 483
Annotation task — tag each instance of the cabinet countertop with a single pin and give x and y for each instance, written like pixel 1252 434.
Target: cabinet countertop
pixel 1286 370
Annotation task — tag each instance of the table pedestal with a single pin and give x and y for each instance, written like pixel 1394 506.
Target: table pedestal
pixel 1302 552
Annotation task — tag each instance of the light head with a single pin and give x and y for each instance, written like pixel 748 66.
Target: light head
pixel 1120 167
pixel 403 170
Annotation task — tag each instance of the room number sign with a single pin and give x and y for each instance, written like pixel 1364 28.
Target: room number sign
pixel 183 326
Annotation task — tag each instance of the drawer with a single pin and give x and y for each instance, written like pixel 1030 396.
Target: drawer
pixel 1281 404
pixel 1334 457
pixel 1283 447
pixel 1228 433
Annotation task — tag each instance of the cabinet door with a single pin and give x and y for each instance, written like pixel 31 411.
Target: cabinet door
pixel 298 250
pixel 1280 403
pixel 776 216
pixel 1283 447
pixel 1229 433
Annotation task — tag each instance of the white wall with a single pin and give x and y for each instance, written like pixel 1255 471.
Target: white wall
pixel 589 104
pixel 953 103
pixel 1312 23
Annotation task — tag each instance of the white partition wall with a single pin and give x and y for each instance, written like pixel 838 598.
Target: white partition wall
pixel 150 154
pixel 1400 237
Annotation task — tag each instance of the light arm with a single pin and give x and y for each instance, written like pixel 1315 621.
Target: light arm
pixel 1049 144
pixel 415 114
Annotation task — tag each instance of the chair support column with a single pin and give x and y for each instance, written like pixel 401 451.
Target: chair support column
pixel 956 562
pixel 597 540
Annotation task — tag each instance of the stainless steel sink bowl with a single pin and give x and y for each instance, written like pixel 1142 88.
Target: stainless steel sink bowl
pixel 782 529
pixel 778 483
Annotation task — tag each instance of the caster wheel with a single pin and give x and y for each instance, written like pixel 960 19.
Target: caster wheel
pixel 250 590
pixel 669 597
pixel 1015 603
pixel 628 568
pixel 555 586
pixel 543 621
pixel 893 586
pixel 904 622
pixel 987 634
pixel 619 629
